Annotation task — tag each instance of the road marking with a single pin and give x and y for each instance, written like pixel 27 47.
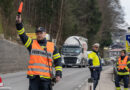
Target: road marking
pixel 81 85
pixel 5 88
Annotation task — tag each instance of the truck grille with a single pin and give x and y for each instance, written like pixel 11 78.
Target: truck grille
pixel 70 60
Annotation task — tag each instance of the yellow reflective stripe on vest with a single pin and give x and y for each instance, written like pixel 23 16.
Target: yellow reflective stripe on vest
pixel 56 56
pixel 45 77
pixel 41 76
pixel 31 75
pixel 128 62
pixel 126 68
pixel 123 73
pixel 58 68
pixel 27 44
pixel 20 32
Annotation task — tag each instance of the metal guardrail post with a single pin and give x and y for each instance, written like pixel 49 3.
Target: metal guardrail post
pixel 90 84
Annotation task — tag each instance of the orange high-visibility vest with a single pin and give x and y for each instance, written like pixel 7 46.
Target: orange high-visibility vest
pixel 122 63
pixel 38 64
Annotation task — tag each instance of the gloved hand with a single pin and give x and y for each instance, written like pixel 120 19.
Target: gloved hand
pixel 18 19
pixel 58 78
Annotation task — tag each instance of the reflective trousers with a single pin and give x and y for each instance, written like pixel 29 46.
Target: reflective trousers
pixel 125 79
pixel 38 84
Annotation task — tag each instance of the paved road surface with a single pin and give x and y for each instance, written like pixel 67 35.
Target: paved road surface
pixel 73 79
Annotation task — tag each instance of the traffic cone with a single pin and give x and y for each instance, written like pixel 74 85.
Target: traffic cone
pixel 1 83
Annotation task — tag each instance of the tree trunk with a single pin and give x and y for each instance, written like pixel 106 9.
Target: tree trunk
pixel 60 19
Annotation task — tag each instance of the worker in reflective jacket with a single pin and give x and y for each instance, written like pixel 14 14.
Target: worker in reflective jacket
pixel 95 64
pixel 123 66
pixel 43 55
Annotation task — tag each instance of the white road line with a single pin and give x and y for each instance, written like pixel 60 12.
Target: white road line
pixel 81 85
pixel 5 88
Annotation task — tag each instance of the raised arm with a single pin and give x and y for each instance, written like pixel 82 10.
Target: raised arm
pixel 21 31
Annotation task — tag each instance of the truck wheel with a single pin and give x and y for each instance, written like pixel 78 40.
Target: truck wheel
pixel 68 66
pixel 80 66
pixel 84 66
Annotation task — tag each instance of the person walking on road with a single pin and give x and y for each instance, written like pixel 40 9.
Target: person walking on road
pixel 43 55
pixel 95 64
pixel 123 67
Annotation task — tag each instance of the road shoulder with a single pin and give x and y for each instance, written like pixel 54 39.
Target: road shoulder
pixel 105 82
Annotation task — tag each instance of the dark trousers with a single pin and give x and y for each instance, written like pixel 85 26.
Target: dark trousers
pixel 125 79
pixel 95 74
pixel 38 84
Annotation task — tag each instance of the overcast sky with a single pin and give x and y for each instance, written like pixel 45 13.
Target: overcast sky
pixel 126 7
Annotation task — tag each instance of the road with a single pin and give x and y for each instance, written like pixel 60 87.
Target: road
pixel 73 79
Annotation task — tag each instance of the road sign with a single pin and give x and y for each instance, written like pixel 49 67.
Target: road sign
pixel 128 43
pixel 33 36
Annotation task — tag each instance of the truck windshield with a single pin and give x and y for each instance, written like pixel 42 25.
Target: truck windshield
pixel 71 50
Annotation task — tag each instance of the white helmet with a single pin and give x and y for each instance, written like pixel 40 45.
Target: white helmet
pixel 96 44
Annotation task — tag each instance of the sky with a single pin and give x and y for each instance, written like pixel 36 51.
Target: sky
pixel 126 7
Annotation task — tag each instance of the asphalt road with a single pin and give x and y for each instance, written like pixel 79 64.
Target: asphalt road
pixel 73 79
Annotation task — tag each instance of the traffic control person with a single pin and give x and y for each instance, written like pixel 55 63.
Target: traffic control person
pixel 43 55
pixel 95 64
pixel 123 67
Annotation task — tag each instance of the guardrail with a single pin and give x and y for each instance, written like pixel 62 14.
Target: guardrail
pixel 90 84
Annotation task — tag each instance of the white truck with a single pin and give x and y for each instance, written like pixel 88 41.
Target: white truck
pixel 74 51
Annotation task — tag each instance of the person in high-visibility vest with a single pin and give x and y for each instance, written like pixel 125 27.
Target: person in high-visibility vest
pixel 95 64
pixel 123 67
pixel 43 54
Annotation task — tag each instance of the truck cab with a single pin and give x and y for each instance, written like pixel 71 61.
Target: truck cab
pixel 74 55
